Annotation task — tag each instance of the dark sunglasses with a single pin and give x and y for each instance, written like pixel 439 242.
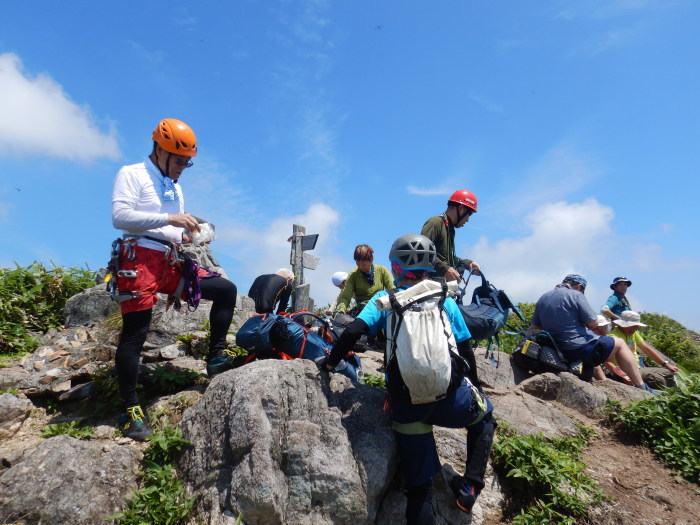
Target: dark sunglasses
pixel 187 163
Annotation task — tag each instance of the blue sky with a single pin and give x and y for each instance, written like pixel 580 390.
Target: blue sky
pixel 575 123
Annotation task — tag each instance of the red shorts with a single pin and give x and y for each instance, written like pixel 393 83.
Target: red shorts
pixel 154 274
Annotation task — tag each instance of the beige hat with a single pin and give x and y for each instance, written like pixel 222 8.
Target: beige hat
pixel 629 318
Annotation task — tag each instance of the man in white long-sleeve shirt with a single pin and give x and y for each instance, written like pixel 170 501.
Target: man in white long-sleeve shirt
pixel 148 206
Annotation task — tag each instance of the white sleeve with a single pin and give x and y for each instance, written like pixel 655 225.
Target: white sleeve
pixel 125 197
pixel 125 217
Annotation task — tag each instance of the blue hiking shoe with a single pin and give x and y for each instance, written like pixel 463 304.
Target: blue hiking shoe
pixel 465 493
pixel 648 389
pixel 219 365
pixel 133 424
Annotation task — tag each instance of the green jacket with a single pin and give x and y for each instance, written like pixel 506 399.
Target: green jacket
pixel 439 229
pixel 358 286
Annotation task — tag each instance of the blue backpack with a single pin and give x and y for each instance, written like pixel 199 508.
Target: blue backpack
pixel 487 314
pixel 283 336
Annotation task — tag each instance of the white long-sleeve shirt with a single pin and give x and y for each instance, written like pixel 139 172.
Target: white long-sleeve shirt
pixel 138 207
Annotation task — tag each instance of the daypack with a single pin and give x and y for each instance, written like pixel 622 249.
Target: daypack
pixel 421 357
pixel 488 313
pixel 283 336
pixel 537 353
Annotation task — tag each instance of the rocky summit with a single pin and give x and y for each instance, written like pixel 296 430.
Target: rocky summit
pixel 274 442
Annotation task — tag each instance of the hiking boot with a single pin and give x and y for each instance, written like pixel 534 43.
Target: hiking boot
pixel 465 493
pixel 133 424
pixel 218 365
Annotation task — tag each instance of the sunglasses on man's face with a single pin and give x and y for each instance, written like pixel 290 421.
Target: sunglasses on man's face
pixel 185 162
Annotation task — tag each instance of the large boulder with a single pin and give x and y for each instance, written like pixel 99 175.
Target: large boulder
pixel 65 480
pixel 278 442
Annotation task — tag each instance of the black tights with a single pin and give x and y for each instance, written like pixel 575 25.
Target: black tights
pixel 135 329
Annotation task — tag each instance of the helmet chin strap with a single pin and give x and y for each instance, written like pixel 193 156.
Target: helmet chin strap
pixel 167 164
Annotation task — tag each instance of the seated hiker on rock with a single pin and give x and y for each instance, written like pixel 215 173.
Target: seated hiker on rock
pixel 627 329
pixel 565 313
pixel 462 405
pixel 148 206
pixel 338 279
pixel 272 289
pixel 617 302
pixel 441 230
pixel 602 327
pixel 363 282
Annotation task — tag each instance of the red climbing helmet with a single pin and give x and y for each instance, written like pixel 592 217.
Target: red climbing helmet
pixel 465 197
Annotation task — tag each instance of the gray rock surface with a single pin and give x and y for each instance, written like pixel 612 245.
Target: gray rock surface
pixel 251 433
pixel 13 411
pixel 65 480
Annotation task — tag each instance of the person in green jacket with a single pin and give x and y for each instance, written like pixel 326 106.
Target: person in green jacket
pixel 364 281
pixel 441 230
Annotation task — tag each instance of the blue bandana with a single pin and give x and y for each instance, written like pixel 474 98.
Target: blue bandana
pixel 169 190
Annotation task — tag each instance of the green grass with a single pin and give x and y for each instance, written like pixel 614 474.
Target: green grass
pixel 74 429
pixel 544 477
pixel 162 498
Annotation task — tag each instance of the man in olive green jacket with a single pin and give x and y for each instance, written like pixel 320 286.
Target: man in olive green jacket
pixel 441 230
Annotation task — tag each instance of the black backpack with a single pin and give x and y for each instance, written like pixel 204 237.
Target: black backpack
pixel 537 353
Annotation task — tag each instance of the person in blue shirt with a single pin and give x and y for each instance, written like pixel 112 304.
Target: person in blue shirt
pixel 617 302
pixel 464 406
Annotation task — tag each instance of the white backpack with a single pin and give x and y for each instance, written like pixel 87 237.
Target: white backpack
pixel 420 341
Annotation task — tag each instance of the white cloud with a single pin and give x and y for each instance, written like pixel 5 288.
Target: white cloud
pixel 562 238
pixel 444 189
pixel 38 117
pixel 486 103
pixel 267 249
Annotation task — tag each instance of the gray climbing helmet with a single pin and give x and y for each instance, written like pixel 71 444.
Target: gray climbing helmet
pixel 413 252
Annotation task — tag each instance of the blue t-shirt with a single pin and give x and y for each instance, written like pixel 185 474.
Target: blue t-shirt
pixel 618 303
pixel 376 319
pixel 564 313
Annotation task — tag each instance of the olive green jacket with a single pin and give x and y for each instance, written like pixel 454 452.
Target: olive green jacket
pixel 358 286
pixel 439 229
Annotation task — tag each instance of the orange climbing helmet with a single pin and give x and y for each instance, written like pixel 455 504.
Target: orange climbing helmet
pixel 464 197
pixel 174 136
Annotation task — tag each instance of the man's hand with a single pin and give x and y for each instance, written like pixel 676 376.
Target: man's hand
pixel 475 268
pixel 184 220
pixel 452 275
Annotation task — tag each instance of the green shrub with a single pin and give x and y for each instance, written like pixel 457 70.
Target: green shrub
pixel 168 379
pixel 669 424
pixel 672 339
pixel 162 498
pixel 375 381
pixel 508 341
pixel 74 429
pixel 32 301
pixel 164 446
pixel 545 477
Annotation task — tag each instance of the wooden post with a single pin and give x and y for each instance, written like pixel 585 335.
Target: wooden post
pixel 298 269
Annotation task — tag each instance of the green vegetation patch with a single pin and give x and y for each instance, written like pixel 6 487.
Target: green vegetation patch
pixel 669 424
pixel 75 429
pixel 672 339
pixel 375 381
pixel 32 301
pixel 545 477
pixel 162 497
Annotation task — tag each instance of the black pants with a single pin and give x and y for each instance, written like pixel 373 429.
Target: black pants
pixel 135 329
